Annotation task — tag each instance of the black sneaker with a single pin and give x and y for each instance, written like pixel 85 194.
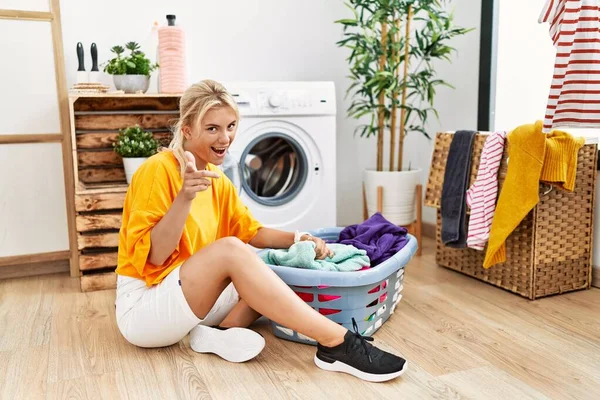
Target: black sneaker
pixel 232 344
pixel 357 357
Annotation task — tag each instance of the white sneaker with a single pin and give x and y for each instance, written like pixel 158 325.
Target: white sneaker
pixel 232 344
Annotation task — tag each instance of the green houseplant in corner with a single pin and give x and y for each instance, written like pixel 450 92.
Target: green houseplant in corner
pixel 131 73
pixel 135 146
pixel 385 38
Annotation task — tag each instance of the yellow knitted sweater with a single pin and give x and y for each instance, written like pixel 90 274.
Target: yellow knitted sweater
pixel 533 157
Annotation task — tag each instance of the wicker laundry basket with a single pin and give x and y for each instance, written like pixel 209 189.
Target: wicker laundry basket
pixel 549 252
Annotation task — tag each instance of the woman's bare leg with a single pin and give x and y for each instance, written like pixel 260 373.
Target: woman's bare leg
pixel 241 316
pixel 206 274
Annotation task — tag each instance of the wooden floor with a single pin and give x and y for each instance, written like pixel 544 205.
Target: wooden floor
pixel 462 339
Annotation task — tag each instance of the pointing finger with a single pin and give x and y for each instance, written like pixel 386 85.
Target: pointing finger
pixel 210 174
pixel 204 174
pixel 191 161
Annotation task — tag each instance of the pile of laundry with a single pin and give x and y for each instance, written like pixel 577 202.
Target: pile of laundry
pixel 533 157
pixel 358 247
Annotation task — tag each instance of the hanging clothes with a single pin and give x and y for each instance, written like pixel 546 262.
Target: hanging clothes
pixel 481 196
pixel 456 182
pixel 574 99
pixel 534 157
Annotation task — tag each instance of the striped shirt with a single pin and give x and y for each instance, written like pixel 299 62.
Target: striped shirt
pixel 574 98
pixel 482 195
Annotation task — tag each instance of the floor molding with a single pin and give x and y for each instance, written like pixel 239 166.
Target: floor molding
pixel 41 268
pixel 36 258
pixel 596 276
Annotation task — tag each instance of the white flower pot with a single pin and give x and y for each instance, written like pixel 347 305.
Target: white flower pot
pixel 399 188
pixel 132 83
pixel 131 165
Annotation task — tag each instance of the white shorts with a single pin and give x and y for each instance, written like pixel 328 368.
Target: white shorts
pixel 160 316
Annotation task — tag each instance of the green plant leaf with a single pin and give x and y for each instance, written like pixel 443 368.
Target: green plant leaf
pixel 135 142
pixel 349 22
pixel 117 50
pixel 136 63
pixel 132 46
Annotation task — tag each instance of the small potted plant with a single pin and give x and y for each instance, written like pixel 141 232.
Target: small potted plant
pixel 131 73
pixel 135 145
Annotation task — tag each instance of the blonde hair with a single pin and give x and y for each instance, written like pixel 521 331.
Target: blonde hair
pixel 193 105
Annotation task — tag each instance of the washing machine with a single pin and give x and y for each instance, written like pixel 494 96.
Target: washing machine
pixel 283 159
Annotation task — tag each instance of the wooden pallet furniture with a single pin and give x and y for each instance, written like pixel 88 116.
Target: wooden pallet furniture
pixel 100 184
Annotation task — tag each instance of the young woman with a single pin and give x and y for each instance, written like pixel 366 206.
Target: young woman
pixel 183 257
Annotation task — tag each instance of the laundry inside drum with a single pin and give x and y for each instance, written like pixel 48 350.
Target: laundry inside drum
pixel 273 169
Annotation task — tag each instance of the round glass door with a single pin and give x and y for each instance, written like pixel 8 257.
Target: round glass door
pixel 273 169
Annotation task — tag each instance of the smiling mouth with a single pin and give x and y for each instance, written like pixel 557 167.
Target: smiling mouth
pixel 219 150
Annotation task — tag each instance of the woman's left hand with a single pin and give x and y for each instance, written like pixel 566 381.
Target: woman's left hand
pixel 321 248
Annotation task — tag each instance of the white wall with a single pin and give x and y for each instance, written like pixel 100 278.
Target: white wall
pixel 277 40
pixel 524 63
pixel 457 107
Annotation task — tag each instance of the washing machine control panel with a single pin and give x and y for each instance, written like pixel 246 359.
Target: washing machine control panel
pixel 275 100
pixel 317 98
pixel 285 101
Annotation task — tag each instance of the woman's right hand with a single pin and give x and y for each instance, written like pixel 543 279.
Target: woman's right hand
pixel 195 181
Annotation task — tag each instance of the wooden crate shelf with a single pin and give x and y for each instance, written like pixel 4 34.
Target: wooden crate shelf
pixel 97 261
pixel 100 185
pixel 100 200
pixel 100 121
pixel 96 140
pixel 98 221
pixel 101 281
pixel 98 240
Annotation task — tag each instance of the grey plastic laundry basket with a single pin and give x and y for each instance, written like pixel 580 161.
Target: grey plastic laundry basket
pixel 369 296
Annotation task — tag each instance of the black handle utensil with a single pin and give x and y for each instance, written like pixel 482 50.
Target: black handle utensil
pixel 80 57
pixel 94 51
pixel 82 76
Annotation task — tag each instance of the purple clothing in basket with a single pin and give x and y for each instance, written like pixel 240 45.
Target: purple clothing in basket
pixel 378 236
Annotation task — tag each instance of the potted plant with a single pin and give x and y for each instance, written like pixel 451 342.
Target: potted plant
pixel 386 37
pixel 135 146
pixel 131 73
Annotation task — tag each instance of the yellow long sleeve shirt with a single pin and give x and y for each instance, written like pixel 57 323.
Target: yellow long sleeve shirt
pixel 533 157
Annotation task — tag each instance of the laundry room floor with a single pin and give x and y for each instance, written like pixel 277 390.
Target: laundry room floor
pixel 461 337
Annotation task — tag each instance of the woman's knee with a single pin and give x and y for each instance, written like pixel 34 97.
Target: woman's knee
pixel 231 251
pixel 223 253
pixel 231 243
pixel 231 247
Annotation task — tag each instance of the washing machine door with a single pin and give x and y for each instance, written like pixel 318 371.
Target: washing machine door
pixel 231 169
pixel 273 168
